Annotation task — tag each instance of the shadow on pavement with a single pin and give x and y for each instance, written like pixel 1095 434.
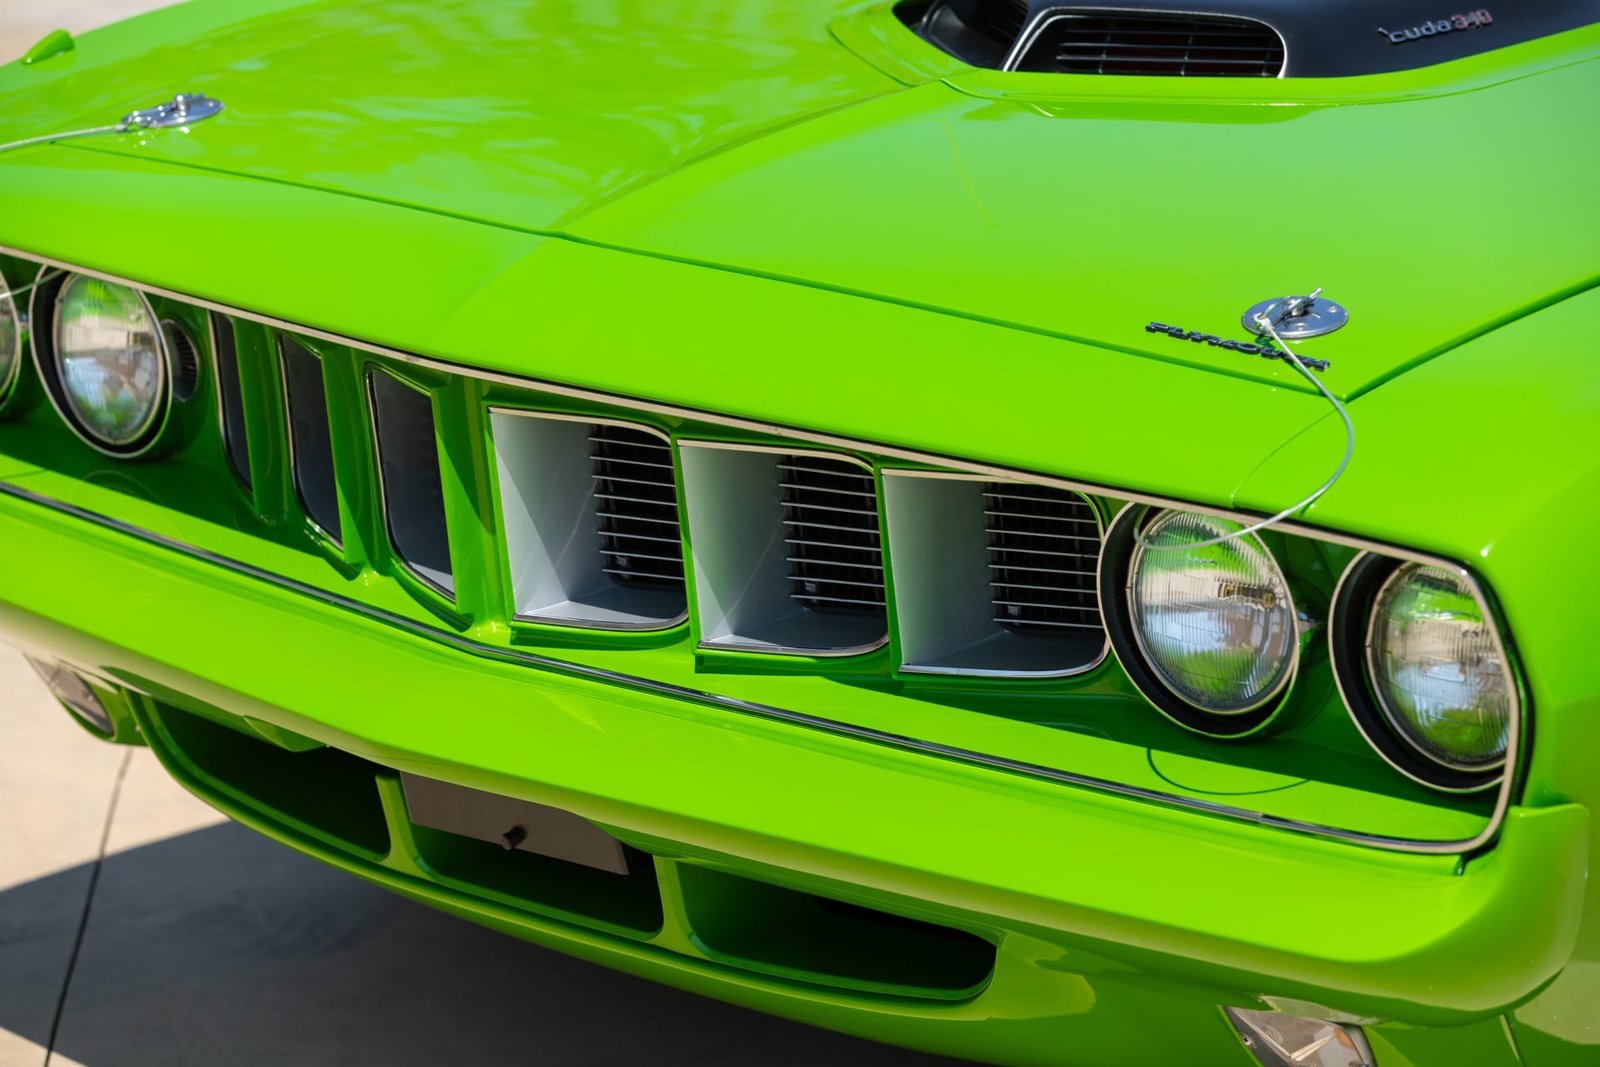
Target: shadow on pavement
pixel 219 946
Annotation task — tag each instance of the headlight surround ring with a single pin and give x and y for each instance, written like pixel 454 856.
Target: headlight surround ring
pixel 148 428
pixel 1117 582
pixel 1352 626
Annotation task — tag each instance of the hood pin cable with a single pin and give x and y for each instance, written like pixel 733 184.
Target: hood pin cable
pixel 1269 326
pixel 184 109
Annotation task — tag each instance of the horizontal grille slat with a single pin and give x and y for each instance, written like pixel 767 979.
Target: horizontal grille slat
pixel 1156 43
pixel 1028 530
pixel 633 477
pixel 1048 624
pixel 835 551
pixel 621 498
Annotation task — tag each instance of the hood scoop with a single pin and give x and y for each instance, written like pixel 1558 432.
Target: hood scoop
pixel 1229 38
pixel 1006 34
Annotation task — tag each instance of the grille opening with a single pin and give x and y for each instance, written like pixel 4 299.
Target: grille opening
pixel 640 544
pixel 413 491
pixel 591 521
pixel 993 578
pixel 786 550
pixel 225 356
pixel 310 439
pixel 626 904
pixel 767 928
pixel 185 360
pixel 1155 44
pixel 830 520
pixel 981 32
pixel 1044 545
pixel 328 794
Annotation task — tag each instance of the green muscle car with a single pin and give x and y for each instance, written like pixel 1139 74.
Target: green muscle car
pixel 1047 533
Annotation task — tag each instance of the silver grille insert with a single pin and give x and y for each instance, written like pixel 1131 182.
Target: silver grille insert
pixel 638 508
pixel 785 550
pixel 830 519
pixel 591 521
pixel 1044 545
pixel 992 578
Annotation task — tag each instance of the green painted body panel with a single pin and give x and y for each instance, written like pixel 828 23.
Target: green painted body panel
pixel 804 217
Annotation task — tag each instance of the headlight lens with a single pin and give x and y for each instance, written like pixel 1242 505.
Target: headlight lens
pixel 109 357
pixel 1437 669
pixel 10 337
pixel 1215 622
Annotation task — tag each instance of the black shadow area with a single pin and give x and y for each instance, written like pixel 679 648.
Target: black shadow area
pixel 222 947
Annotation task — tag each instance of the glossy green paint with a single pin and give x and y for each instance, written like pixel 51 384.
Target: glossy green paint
pixel 800 214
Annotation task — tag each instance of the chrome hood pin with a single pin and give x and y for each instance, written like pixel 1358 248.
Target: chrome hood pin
pixel 1295 317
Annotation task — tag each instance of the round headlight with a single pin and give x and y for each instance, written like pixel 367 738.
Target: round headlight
pixel 1437 669
pixel 10 339
pixel 110 364
pixel 1215 623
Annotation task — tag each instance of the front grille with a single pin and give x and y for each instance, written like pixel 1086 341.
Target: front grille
pixel 1182 45
pixel 830 519
pixel 1044 544
pixel 637 507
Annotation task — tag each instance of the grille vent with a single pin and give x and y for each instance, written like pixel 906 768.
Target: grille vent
pixel 638 508
pixel 225 356
pixel 1044 544
pixel 186 360
pixel 830 519
pixel 310 439
pixel 1178 45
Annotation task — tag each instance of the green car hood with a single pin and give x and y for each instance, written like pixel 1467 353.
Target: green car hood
pixel 790 141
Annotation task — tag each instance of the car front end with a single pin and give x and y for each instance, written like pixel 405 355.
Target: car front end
pixel 803 504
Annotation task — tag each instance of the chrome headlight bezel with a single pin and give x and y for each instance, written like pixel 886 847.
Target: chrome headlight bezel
pixel 47 364
pixel 1118 557
pixel 1350 631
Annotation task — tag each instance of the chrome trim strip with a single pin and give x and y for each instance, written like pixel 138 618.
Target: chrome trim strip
pixel 1031 32
pixel 762 711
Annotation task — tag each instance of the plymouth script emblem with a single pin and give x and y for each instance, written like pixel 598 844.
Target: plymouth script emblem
pixel 1434 27
pixel 1264 351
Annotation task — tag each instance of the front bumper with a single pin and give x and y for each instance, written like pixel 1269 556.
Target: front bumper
pixel 1107 913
